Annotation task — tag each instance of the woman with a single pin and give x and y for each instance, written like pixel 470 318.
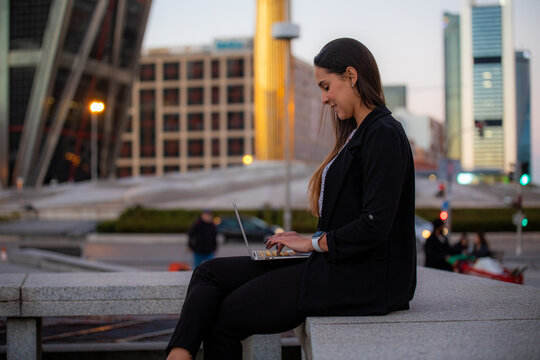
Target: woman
pixel 364 252
pixel 481 247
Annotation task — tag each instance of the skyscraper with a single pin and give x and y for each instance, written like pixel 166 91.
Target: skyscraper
pixel 452 88
pixel 269 84
pixel 55 58
pixel 488 92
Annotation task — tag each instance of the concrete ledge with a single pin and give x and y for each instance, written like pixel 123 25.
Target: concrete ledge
pixel 58 262
pixel 452 316
pixel 10 294
pixel 103 293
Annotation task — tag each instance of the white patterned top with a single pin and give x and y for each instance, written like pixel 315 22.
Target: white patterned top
pixel 323 176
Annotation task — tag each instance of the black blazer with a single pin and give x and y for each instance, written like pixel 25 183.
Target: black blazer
pixel 368 214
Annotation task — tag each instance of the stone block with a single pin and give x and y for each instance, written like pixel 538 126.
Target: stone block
pixel 262 347
pixel 10 294
pixel 104 293
pixel 452 316
pixel 23 338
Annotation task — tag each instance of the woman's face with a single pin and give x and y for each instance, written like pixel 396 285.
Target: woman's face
pixel 337 92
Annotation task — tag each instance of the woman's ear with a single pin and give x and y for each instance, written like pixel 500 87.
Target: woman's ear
pixel 351 75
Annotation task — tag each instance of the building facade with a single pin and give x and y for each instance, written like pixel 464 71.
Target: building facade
pixel 488 97
pixel 193 108
pixel 55 58
pixel 487 111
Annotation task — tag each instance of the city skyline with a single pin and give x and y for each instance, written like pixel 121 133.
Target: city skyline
pixel 388 33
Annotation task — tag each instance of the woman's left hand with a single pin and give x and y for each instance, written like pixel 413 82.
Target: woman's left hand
pixel 290 239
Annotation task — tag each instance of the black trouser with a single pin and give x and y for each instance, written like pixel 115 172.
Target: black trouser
pixel 229 299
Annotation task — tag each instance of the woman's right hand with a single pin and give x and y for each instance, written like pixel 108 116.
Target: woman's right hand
pixel 179 354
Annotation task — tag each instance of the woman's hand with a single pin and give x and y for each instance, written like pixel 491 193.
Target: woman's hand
pixel 179 354
pixel 290 239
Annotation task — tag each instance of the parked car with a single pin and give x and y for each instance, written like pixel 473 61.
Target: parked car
pixel 423 230
pixel 257 230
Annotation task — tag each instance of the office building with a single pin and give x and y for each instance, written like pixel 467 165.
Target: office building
pixel 452 85
pixel 55 58
pixel 193 108
pixel 481 107
pixel 523 108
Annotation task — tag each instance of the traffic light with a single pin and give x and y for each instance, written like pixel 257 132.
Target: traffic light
pixel 443 215
pixel 525 177
pixel 524 221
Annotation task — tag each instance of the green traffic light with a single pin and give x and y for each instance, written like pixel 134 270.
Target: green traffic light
pixel 524 180
pixel 524 222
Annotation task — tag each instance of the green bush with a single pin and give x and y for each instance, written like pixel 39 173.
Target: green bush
pixel 141 220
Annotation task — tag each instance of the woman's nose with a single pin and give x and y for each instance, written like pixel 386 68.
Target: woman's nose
pixel 324 98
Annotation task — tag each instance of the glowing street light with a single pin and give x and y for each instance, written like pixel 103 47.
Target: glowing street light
pixel 247 159
pixel 96 107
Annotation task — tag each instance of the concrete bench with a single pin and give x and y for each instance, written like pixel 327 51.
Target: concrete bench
pixel 452 316
pixel 26 298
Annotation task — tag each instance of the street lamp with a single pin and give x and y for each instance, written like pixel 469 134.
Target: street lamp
pixel 286 31
pixel 96 107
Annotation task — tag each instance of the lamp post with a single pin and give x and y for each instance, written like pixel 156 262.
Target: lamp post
pixel 96 107
pixel 286 31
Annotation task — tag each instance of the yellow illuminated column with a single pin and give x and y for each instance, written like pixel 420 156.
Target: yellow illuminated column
pixel 269 74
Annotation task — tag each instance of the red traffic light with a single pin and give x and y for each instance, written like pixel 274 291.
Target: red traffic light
pixel 443 215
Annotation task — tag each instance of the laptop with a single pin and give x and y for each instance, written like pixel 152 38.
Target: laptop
pixel 267 254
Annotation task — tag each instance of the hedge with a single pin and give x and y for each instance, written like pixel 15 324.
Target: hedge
pixel 142 220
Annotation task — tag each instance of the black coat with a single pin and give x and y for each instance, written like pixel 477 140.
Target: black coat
pixel 436 253
pixel 202 237
pixel 368 214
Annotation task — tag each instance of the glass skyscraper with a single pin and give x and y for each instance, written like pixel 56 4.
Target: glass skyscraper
pixel 55 58
pixel 487 106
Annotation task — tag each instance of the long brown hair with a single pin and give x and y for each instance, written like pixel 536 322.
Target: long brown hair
pixel 336 57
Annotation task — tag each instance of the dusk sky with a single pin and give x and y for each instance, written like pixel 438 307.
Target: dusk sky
pixel 406 38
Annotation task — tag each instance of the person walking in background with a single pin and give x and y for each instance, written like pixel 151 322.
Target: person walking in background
pixel 202 238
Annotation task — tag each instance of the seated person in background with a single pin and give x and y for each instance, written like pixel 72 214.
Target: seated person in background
pixel 437 248
pixel 462 247
pixel 481 247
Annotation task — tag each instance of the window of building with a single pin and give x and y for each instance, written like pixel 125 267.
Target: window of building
pixel 215 121
pixel 215 147
pixel 235 94
pixel 147 123
pixel 123 171
pixel 235 120
pixel 195 167
pixel 235 147
pixel 215 95
pixel 215 69
pixel 171 71
pixel 171 96
pixel 129 126
pixel 171 168
pixel 125 151
pixel 171 148
pixel 171 122
pixel 148 170
pixel 195 147
pixel 195 122
pixel 148 72
pixel 195 96
pixel 195 70
pixel 235 68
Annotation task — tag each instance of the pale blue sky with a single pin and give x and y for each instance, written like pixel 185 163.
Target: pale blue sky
pixel 406 38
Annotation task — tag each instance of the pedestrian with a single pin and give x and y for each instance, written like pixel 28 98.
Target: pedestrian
pixel 363 258
pixel 202 238
pixel 481 246
pixel 437 249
